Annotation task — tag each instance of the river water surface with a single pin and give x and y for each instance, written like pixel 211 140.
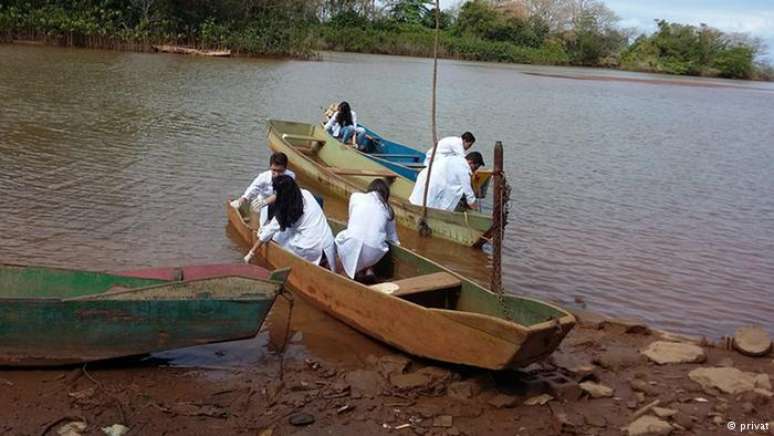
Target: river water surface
pixel 635 196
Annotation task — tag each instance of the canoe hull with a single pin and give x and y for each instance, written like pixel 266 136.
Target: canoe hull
pixel 446 335
pixel 57 317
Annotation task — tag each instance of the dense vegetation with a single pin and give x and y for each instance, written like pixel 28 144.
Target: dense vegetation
pixel 569 32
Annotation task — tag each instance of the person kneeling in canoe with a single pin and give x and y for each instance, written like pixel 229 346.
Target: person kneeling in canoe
pixel 296 215
pixel 371 225
pixel 260 192
pixel 450 183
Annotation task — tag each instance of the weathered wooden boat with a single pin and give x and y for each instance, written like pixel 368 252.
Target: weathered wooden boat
pixel 191 51
pixel 342 170
pixel 425 309
pixel 52 316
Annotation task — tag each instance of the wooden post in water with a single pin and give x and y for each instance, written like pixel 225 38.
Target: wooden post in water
pixel 497 220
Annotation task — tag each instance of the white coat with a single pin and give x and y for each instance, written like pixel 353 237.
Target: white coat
pixel 364 242
pixel 262 187
pixel 449 181
pixel 308 237
pixel 447 147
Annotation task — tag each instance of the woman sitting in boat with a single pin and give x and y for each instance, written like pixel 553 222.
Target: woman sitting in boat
pixel 371 225
pixel 299 218
pixel 343 125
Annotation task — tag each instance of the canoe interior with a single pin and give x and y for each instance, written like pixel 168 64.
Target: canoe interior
pixel 315 145
pixel 400 264
pixel 40 282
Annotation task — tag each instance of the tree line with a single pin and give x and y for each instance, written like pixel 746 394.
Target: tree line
pixel 561 32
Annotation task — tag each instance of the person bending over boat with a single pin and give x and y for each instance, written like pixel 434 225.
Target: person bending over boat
pixel 451 186
pixel 342 125
pixel 371 225
pixel 451 146
pixel 296 215
pixel 260 192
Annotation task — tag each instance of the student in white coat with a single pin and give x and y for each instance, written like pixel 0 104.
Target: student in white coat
pixel 371 225
pixel 450 178
pixel 299 218
pixel 343 124
pixel 260 192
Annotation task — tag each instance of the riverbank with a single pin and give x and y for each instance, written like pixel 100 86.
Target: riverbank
pixel 597 383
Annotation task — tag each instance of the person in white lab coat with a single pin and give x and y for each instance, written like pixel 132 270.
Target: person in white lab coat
pixel 299 218
pixel 450 178
pixel 370 227
pixel 260 192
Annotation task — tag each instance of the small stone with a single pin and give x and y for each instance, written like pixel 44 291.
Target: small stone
pixel 641 386
pixel 752 341
pixel 648 426
pixel 74 428
pixel 538 400
pixel 718 420
pixel 762 381
pixel 266 432
pixel 631 326
pixel 748 408
pixel 115 430
pixel 617 359
pixel 663 412
pixel 663 352
pixel 443 421
pixel 640 397
pixel 363 382
pixel 596 390
pixel 763 393
pixel 410 381
pixel 729 380
pixel 684 421
pixel 502 401
pixel 595 420
pixel 631 404
pixel 392 364
pixel 301 419
pixel 463 390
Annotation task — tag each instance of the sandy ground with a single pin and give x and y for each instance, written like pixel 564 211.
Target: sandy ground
pixel 345 384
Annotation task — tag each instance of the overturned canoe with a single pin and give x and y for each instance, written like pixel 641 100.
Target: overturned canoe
pixel 425 309
pixel 51 316
pixel 191 51
pixel 342 170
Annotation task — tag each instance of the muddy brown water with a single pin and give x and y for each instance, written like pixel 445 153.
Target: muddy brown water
pixel 649 200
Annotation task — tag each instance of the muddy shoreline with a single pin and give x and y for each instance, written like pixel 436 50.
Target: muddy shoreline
pixel 344 383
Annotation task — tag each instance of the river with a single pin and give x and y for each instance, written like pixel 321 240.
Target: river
pixel 634 195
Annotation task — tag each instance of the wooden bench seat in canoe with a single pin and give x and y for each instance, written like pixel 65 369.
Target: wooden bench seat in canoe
pixel 363 173
pixel 315 143
pixel 419 284
pixel 388 155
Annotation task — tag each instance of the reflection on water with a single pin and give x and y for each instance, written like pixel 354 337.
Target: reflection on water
pixel 645 200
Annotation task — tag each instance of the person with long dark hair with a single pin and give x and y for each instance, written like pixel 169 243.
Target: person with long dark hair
pixel 296 216
pixel 343 124
pixel 370 227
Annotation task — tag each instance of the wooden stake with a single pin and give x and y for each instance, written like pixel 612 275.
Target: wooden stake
pixel 497 220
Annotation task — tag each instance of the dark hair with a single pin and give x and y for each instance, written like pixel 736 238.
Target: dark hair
pixel 344 117
pixel 380 187
pixel 476 158
pixel 468 137
pixel 279 158
pixel 289 206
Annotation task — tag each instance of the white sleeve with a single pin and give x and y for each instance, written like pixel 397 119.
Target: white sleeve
pixel 354 120
pixel 257 186
pixel 392 232
pixel 463 176
pixel 331 121
pixel 267 231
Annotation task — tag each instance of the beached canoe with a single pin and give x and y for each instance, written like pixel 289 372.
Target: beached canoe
pixel 51 316
pixel 425 309
pixel 342 170
pixel 191 51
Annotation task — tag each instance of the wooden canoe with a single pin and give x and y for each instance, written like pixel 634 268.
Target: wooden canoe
pixel 191 51
pixel 432 312
pixel 52 316
pixel 342 170
pixel 408 161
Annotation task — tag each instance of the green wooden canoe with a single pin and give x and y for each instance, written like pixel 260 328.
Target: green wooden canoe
pixel 342 170
pixel 54 316
pixel 423 308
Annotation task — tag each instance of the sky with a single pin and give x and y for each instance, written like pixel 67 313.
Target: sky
pixel 755 17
